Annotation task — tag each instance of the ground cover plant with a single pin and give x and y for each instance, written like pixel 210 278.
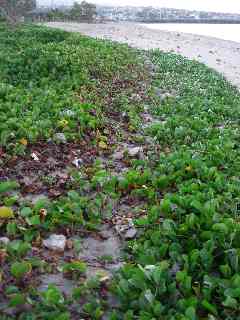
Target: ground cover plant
pixel 97 135
pixel 186 263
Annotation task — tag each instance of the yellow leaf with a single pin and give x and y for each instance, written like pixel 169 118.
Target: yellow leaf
pixel 131 128
pixel 103 276
pixel 188 168
pixel 103 138
pixel 6 213
pixel 63 123
pixel 23 141
pixel 103 145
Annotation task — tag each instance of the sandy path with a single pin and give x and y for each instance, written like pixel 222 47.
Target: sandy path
pixel 223 56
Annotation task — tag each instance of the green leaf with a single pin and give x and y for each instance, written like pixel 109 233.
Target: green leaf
pixel 20 269
pixel 158 309
pixel 40 204
pixel 226 270
pixel 220 227
pixel 165 206
pixel 181 275
pixel 34 220
pixel 149 296
pixel 26 211
pixel 76 266
pixel 17 300
pixel 197 205
pixel 190 313
pixel 52 296
pixel 209 307
pixel 8 186
pixel 18 248
pixel 63 316
pixel 230 303
pixel 11 228
pixel 11 290
pixel 236 281
pixel 10 201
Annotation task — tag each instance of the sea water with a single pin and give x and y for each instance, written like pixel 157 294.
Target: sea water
pixel 221 31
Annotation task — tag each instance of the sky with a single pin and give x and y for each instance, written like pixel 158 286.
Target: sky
pixel 206 5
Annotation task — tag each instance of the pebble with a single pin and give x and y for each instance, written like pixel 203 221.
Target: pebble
pixel 120 229
pixel 68 113
pixel 77 162
pixel 133 152
pixel 55 242
pixel 150 66
pixel 163 95
pixel 118 155
pixel 102 274
pixel 60 137
pixel 104 235
pixel 130 234
pixel 4 240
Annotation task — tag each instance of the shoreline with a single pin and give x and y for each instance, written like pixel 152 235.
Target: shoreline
pixel 193 33
pixel 221 55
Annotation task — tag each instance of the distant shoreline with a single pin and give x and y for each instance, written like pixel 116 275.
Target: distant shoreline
pixel 221 55
pixel 193 21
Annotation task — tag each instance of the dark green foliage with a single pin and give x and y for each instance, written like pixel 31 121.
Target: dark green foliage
pixel 187 265
pixel 41 80
pixel 184 265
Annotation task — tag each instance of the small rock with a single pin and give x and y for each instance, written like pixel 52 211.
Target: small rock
pixel 136 97
pixel 158 92
pixel 55 242
pixel 174 270
pixel 118 155
pixel 35 198
pixel 147 117
pixel 163 95
pixel 130 234
pixel 60 137
pixel 77 162
pixel 120 229
pixel 93 249
pixel 95 272
pixel 125 116
pixel 104 235
pixel 133 152
pixel 146 108
pixel 64 285
pixel 35 156
pixel 150 66
pixel 68 113
pixel 69 244
pixel 4 240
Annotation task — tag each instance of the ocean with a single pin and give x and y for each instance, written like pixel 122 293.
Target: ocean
pixel 221 31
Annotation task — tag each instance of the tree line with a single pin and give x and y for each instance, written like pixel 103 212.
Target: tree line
pixel 14 10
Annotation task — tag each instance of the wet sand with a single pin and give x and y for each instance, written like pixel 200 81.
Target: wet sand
pixel 221 55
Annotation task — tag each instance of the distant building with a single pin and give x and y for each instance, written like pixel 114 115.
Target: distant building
pixel 151 14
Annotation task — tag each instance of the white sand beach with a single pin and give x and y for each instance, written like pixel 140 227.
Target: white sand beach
pixel 221 55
